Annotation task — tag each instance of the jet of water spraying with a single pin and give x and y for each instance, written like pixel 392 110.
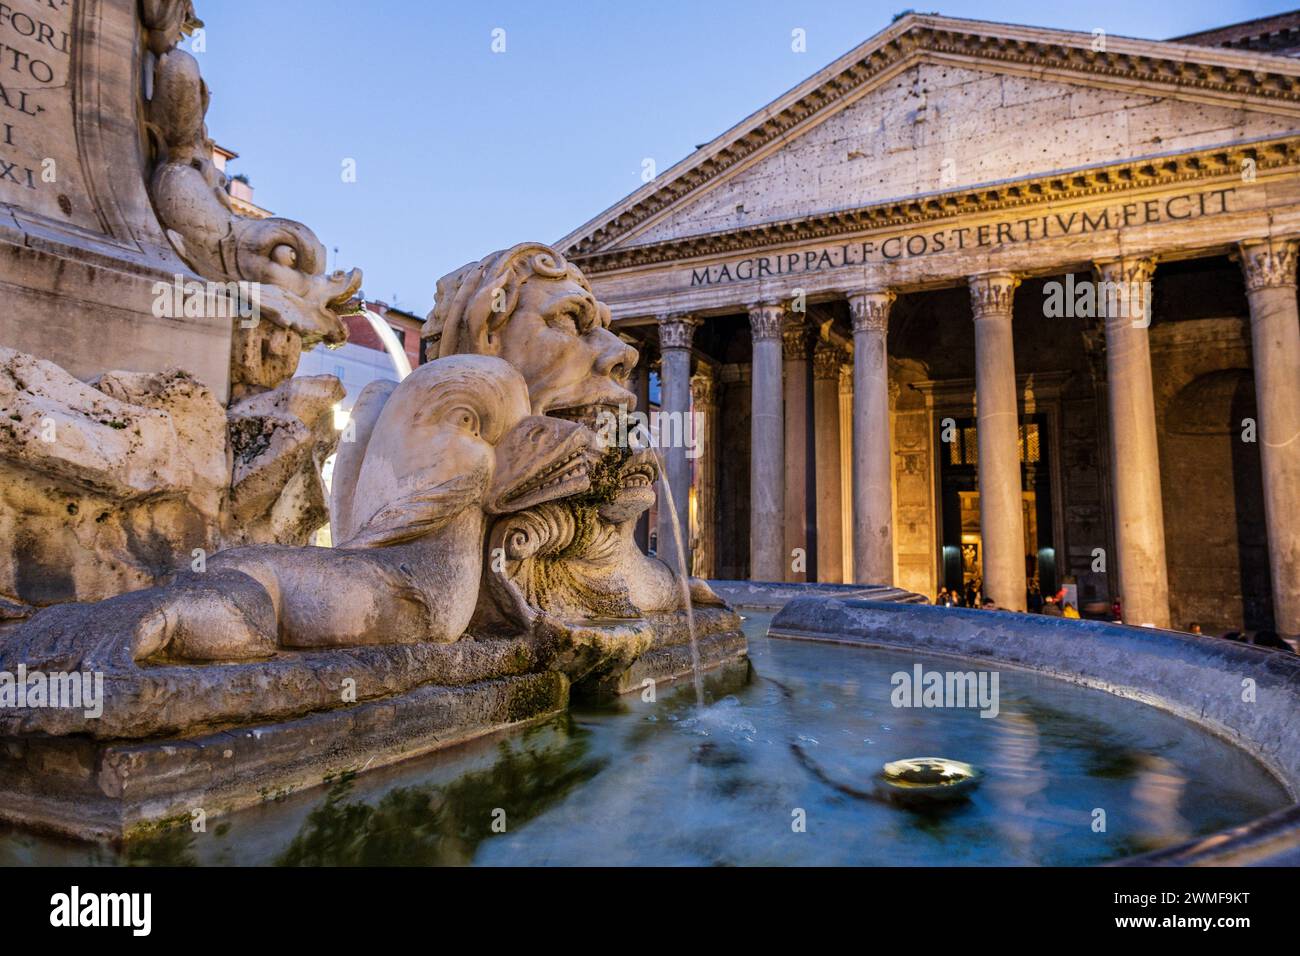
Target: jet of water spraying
pixel 683 581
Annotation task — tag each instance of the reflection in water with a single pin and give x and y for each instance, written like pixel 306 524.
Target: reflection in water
pixel 669 782
pixel 1157 794
pixel 172 847
pixel 1015 780
pixel 427 825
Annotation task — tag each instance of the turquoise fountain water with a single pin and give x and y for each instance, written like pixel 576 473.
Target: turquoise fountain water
pixel 670 782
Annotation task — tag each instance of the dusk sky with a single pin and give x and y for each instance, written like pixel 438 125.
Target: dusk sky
pixel 459 150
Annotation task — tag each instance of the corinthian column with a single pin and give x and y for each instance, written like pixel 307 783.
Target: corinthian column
pixel 767 448
pixel 873 501
pixel 997 429
pixel 826 444
pixel 1134 452
pixel 846 472
pixel 675 335
pixel 1270 268
pixel 796 339
pixel 705 450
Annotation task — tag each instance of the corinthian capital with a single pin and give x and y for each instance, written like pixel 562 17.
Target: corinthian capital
pixel 846 379
pixel 870 309
pixel 1126 269
pixel 1125 290
pixel 765 321
pixel 1268 263
pixel 827 359
pixel 676 331
pixel 992 294
pixel 704 388
pixel 796 338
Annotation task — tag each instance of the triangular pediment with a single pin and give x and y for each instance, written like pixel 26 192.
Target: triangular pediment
pixel 934 104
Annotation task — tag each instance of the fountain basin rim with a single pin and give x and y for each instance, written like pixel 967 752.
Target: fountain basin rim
pixel 1193 677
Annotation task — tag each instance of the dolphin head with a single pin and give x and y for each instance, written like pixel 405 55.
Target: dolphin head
pixel 541 459
pixel 457 432
pixel 432 452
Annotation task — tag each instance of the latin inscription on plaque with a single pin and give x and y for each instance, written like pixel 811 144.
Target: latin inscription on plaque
pixel 39 168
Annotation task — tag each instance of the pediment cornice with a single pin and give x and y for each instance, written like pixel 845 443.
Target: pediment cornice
pixel 1095 181
pixel 1162 67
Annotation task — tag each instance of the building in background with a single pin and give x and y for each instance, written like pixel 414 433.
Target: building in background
pixel 238 186
pixel 857 282
pixel 1278 35
pixel 364 357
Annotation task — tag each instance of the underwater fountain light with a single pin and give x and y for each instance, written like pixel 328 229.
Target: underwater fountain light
pixel 925 781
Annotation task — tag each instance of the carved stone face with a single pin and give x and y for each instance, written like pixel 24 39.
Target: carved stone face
pixel 573 363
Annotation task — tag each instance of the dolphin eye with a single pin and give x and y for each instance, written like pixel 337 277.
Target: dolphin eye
pixel 466 419
pixel 285 255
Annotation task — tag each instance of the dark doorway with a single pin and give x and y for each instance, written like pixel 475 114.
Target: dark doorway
pixel 961 543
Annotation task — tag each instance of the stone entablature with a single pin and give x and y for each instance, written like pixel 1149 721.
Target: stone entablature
pixel 1269 155
pixel 1030 236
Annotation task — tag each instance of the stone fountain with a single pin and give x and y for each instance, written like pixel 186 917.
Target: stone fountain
pixel 157 567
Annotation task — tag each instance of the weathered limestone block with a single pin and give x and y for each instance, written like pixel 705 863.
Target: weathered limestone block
pixel 110 486
pixel 279 440
pixel 105 487
pixel 198 421
pixel 55 424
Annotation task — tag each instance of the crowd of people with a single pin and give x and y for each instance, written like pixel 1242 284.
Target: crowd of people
pixel 1056 605
pixel 1053 605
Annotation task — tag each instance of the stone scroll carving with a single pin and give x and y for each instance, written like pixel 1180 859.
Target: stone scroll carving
pixel 577 560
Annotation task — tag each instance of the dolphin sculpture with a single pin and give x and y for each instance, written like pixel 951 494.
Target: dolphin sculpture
pixel 453 446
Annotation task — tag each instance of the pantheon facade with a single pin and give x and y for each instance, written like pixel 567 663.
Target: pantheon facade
pixel 876 292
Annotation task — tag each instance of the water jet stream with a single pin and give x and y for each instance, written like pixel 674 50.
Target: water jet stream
pixel 681 572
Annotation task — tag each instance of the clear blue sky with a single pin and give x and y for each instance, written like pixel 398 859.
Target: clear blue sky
pixel 460 151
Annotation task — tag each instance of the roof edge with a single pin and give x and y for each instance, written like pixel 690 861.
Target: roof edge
pixel 900 34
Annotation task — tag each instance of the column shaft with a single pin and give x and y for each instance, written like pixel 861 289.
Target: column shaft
pixel 873 509
pixel 826 444
pixel 997 429
pixel 767 458
pixel 1270 269
pixel 705 461
pixel 675 335
pixel 796 339
pixel 846 472
pixel 1134 450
